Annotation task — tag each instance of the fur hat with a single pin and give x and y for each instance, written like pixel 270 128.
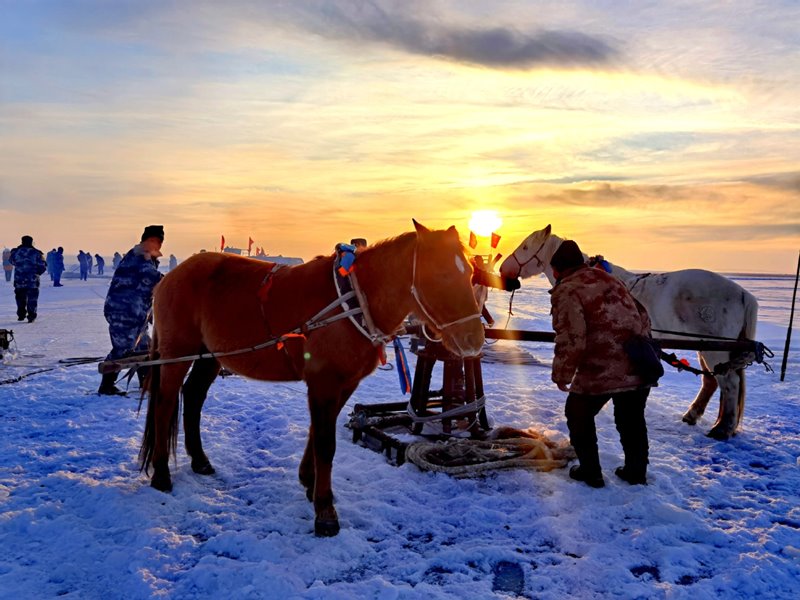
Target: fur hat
pixel 156 231
pixel 27 240
pixel 567 256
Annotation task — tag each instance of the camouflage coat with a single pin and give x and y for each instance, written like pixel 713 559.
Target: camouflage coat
pixel 593 316
pixel 130 294
pixel 28 264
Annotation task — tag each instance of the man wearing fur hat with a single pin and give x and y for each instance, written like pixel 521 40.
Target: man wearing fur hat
pixel 28 263
pixel 594 316
pixel 129 299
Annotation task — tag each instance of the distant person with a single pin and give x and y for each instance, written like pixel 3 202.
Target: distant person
pixel 116 260
pixel 128 303
pixel 83 266
pixel 359 243
pixel 594 316
pixel 89 263
pixel 58 267
pixel 29 264
pixel 101 263
pixel 173 262
pixel 8 268
pixel 49 260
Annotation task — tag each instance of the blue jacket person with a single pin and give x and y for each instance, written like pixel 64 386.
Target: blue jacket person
pixel 129 299
pixel 28 264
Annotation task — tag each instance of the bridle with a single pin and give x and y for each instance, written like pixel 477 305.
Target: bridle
pixel 425 311
pixel 535 255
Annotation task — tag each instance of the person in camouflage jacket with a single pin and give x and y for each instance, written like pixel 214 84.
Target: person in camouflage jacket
pixel 28 264
pixel 129 299
pixel 594 315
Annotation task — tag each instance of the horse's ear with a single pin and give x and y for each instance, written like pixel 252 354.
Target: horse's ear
pixel 452 232
pixel 420 228
pixel 547 229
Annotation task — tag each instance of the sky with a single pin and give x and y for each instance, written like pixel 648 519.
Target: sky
pixel 663 135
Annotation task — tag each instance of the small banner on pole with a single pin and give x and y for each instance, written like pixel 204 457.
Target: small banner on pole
pixel 473 240
pixel 222 243
pixel 495 240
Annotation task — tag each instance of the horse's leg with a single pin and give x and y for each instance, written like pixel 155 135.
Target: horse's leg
pixel 325 400
pixel 708 387
pixel 731 400
pixel 195 390
pixel 307 464
pixel 165 422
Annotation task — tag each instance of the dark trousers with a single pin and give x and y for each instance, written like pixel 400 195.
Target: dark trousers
pixel 8 274
pixel 128 336
pixel 581 410
pixel 27 301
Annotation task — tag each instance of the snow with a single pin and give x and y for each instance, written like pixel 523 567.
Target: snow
pixel 78 519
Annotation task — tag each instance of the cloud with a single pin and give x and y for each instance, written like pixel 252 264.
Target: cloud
pixel 728 233
pixel 501 47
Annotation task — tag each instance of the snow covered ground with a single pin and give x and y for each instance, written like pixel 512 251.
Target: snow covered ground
pixel 77 519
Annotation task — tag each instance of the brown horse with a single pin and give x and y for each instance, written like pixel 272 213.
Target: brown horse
pixel 219 303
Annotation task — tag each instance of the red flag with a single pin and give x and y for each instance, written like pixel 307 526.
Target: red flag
pixel 249 244
pixel 495 240
pixel 222 243
pixel 473 241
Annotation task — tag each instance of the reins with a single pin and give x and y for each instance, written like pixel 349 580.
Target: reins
pixel 371 332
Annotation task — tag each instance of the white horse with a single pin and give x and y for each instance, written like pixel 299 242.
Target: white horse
pixel 688 301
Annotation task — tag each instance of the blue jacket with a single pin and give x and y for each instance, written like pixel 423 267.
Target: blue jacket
pixel 130 294
pixel 58 263
pixel 28 265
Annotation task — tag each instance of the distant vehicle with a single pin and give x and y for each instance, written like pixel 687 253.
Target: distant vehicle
pixel 279 259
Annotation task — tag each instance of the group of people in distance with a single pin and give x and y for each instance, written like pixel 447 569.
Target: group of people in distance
pixel 593 315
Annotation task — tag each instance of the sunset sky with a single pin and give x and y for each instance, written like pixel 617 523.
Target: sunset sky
pixel 663 135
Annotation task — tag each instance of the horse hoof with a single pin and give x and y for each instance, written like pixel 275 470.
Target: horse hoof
pixel 203 468
pixel 326 527
pixel 718 434
pixel 687 418
pixel 162 484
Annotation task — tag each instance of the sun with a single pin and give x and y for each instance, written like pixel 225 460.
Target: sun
pixel 484 222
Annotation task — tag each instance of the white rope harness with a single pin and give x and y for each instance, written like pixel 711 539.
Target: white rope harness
pixel 425 311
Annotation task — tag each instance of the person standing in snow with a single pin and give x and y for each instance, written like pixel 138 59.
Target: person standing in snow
pixel 8 268
pixel 101 263
pixel 128 302
pixel 173 262
pixel 116 260
pixel 29 264
pixel 82 265
pixel 49 260
pixel 594 315
pixel 58 267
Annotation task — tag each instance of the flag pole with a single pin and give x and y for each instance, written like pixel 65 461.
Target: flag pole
pixel 791 319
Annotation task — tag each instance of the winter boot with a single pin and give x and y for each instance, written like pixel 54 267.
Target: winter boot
pixel 631 476
pixel 594 480
pixel 107 387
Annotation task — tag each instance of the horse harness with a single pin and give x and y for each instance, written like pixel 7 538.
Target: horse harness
pixel 535 255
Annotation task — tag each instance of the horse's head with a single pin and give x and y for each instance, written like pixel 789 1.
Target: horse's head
pixel 442 289
pixel 531 257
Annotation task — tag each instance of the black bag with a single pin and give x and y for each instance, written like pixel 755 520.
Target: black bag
pixel 645 354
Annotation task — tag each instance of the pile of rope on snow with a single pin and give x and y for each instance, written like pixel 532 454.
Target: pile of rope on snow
pixel 505 448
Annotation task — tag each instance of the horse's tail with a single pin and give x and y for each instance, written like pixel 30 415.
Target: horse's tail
pixel 151 387
pixel 748 333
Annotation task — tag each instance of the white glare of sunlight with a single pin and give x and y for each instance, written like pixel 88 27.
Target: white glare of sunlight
pixel 484 222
